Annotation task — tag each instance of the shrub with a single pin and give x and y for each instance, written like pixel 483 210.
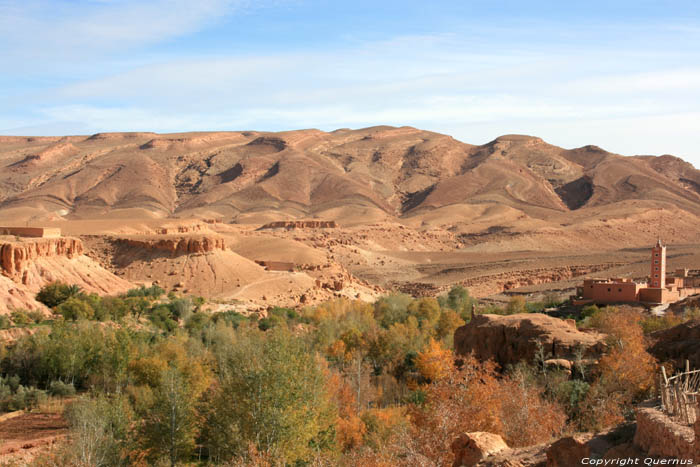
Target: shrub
pixel 75 308
pixel 181 308
pixel 60 389
pixel 22 398
pixel 516 305
pixel 161 317
pixel 20 318
pixel 270 322
pixel 231 317
pixel 154 291
pixel 55 293
pixel 37 316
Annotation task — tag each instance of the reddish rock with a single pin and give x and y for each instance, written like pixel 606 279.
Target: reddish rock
pixel 15 256
pixel 509 339
pixel 470 448
pixel 559 363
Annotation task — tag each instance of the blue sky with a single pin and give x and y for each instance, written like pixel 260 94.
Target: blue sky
pixel 622 75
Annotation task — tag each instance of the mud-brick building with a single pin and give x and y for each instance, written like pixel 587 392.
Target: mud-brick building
pixel 660 287
pixel 34 232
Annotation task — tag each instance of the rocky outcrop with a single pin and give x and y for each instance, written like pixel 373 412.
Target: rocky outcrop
pixel 16 256
pixel 512 338
pixel 679 343
pixel 568 451
pixel 471 448
pixel 300 225
pixel 177 245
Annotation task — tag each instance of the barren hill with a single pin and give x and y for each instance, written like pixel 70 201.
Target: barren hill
pixel 382 171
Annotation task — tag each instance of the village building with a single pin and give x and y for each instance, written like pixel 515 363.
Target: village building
pixel 34 232
pixel 661 287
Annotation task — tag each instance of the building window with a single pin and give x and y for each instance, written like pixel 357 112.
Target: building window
pixel 656 261
pixel 609 290
pixel 656 275
pixel 619 290
pixel 656 268
pixel 656 254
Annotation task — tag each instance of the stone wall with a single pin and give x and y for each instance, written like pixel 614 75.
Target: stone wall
pixel 300 225
pixel 658 435
pixel 277 265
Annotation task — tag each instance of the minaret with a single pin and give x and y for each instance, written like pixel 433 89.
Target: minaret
pixel 657 279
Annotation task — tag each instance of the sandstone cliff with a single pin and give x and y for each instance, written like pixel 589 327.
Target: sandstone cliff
pixel 509 339
pixel 15 257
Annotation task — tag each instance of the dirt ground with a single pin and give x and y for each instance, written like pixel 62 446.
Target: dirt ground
pixel 23 436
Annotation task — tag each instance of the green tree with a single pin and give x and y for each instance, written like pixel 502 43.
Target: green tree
pixel 54 294
pixel 272 393
pixel 99 431
pixel 75 308
pixel 170 427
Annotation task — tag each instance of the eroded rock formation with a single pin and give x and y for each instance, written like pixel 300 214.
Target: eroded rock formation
pixel 16 256
pixel 177 245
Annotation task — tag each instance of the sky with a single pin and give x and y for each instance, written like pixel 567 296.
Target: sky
pixel 623 75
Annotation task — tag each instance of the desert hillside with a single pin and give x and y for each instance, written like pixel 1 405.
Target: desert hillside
pixel 400 208
pixel 349 176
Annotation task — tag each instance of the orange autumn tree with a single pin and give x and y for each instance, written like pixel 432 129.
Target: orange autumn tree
pixel 349 427
pixel 435 363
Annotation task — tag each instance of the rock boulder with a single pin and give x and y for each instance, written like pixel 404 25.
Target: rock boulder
pixel 471 448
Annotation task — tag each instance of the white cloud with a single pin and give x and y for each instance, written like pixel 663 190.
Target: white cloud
pixel 48 29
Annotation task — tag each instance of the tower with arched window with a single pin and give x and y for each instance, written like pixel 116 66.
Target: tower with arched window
pixel 657 279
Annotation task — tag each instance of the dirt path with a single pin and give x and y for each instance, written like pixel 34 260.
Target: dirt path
pixel 24 435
